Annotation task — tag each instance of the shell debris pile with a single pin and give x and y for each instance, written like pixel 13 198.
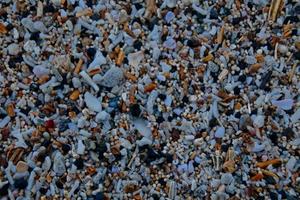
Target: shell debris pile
pixel 154 99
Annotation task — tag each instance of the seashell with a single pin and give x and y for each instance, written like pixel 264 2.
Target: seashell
pixel 74 95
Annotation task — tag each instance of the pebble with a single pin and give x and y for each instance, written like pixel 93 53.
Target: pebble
pixel 259 121
pixel 291 163
pixel 80 147
pixel 13 49
pixel 220 132
pixel 226 178
pixel 22 167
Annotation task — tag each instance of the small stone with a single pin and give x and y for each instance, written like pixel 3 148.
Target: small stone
pixel 22 167
pixel 76 82
pixel 169 16
pixel 102 116
pixel 259 121
pixel 80 147
pixel 291 163
pixel 39 26
pixel 21 183
pixel 171 3
pixel 220 132
pixel 134 59
pixel 282 49
pixel 135 110
pixel 40 70
pixel 170 43
pixel 226 178
pixel 13 49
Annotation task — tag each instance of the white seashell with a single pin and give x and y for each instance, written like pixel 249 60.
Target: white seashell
pixel 285 104
pixel 226 178
pixel 220 132
pixel 4 121
pixel 92 102
pixel 88 79
pixel 80 147
pixel 134 59
pixel 59 164
pixel 259 121
pixel 141 126
pixel 291 163
pixel 296 116
pixel 13 49
pixel 98 61
pixel 172 190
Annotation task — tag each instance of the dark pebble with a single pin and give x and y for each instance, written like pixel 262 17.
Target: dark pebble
pixel 59 184
pixel 79 163
pixel 291 19
pixel 273 137
pixel 101 149
pixel 162 97
pixel 297 55
pixel 4 190
pixel 160 119
pixel 49 8
pixel 242 65
pixel 99 196
pixel 155 197
pixel 137 44
pixel 265 80
pixel 270 180
pixel 43 190
pixel 289 133
pixel 192 43
pixel 135 110
pixel 91 52
pixel 21 183
pixel 273 195
pixel 214 13
pixel 35 36
pixel 213 122
pixel 66 148
pixel 236 20
pixel 236 90
pixel 242 78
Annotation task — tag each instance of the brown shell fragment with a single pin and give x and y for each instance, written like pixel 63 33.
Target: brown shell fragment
pixel 3 28
pixel 207 58
pixel 130 76
pixel 78 66
pixel 275 7
pixel 85 12
pixel 10 110
pixel 267 163
pixel 150 87
pixel 130 188
pixel 220 36
pixel 74 95
pixel 254 68
pixel 120 58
